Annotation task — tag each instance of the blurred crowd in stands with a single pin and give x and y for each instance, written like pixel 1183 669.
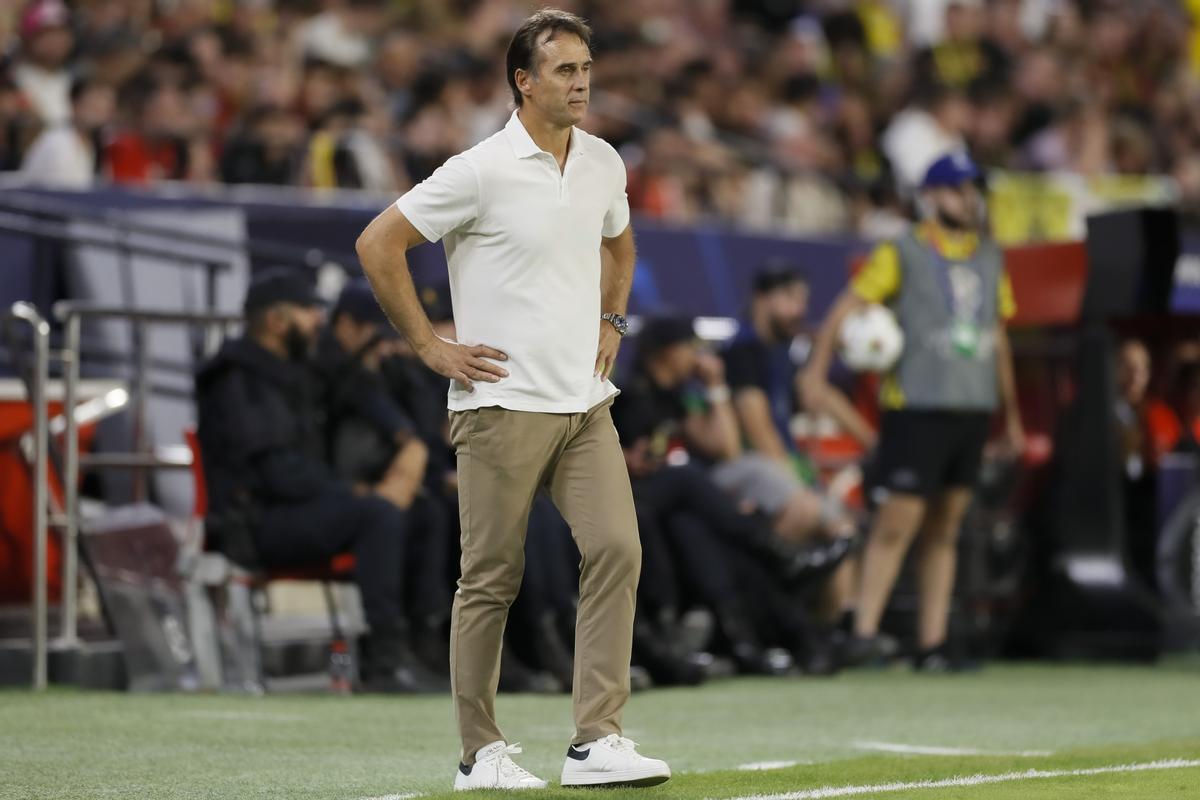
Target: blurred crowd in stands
pixel 802 116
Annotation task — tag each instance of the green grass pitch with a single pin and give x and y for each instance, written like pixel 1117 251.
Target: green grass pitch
pixel 849 736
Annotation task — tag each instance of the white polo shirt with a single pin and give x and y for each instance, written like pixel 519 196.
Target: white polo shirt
pixel 523 246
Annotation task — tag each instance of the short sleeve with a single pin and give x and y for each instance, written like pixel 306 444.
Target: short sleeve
pixel 1006 302
pixel 743 366
pixel 879 279
pixel 616 219
pixel 445 201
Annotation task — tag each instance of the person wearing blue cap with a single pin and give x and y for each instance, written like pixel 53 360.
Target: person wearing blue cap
pixel 946 283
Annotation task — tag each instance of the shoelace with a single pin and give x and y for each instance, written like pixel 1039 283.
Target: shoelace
pixel 620 743
pixel 508 767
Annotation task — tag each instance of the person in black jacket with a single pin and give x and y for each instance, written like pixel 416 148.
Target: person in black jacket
pixel 374 440
pixel 261 429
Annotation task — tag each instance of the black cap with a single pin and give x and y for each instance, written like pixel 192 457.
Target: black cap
pixel 775 274
pixel 279 285
pixel 659 333
pixel 357 300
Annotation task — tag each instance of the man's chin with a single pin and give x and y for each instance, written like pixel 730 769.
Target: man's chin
pixel 577 111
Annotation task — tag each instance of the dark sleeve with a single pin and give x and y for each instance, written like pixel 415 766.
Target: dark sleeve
pixel 743 366
pixel 372 401
pixel 247 439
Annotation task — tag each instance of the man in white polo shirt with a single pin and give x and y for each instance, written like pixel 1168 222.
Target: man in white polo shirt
pixel 535 223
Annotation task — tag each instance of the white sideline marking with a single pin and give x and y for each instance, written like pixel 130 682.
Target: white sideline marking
pixel 764 765
pixel 408 796
pixel 927 750
pixel 243 716
pixel 972 780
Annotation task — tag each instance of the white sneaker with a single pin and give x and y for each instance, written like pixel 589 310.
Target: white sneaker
pixel 612 761
pixel 495 769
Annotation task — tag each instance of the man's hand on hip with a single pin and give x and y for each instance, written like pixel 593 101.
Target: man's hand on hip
pixel 606 353
pixel 462 363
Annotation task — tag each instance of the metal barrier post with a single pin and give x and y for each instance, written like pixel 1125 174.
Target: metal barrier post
pixel 70 574
pixel 41 362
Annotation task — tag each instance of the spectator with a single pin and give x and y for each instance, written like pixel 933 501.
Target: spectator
pixel 935 124
pixel 265 150
pixel 763 363
pixel 660 416
pixel 345 153
pixel 42 71
pixel 963 56
pixel 160 139
pixel 1148 429
pixel 65 156
pixel 807 123
pixel 18 127
pixel 274 501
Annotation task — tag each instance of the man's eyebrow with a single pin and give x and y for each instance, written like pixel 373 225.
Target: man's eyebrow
pixel 562 64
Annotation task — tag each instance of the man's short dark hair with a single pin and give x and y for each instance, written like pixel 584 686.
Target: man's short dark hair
pixel 522 50
pixel 777 273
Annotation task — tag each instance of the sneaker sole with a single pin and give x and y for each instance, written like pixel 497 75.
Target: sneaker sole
pixel 499 788
pixel 615 780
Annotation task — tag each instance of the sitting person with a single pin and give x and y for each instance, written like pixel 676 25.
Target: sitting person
pixel 668 430
pixel 273 499
pixel 374 441
pixel 763 364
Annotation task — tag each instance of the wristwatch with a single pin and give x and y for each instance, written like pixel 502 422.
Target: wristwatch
pixel 619 322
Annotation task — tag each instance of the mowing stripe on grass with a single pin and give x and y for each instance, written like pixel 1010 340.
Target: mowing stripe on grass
pixel 241 716
pixel 972 780
pixel 928 750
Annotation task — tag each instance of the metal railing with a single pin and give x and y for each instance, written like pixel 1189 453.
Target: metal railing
pixel 140 458
pixel 36 388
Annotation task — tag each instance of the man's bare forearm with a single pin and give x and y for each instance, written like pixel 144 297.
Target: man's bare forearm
pixel 382 252
pixel 617 258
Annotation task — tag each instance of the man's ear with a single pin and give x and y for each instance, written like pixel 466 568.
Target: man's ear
pixel 524 79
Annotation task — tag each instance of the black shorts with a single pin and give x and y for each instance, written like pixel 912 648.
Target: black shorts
pixel 922 452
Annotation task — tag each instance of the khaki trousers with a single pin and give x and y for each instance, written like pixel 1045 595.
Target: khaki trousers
pixel 504 458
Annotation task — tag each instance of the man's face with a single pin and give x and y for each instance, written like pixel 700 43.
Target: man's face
pixel 51 47
pixel 1133 372
pixel 956 206
pixel 352 334
pixel 300 325
pixel 559 84
pixel 680 361
pixel 786 308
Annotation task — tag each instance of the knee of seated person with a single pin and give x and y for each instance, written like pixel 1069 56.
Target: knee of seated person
pixel 380 513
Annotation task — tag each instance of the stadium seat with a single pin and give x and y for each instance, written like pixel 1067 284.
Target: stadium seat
pixel 246 589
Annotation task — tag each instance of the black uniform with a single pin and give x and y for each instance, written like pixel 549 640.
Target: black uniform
pixel 262 433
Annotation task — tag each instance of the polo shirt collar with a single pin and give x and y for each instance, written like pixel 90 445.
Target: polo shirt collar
pixel 523 145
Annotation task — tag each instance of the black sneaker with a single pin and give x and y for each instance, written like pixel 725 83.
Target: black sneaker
pixel 940 659
pixel 868 651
